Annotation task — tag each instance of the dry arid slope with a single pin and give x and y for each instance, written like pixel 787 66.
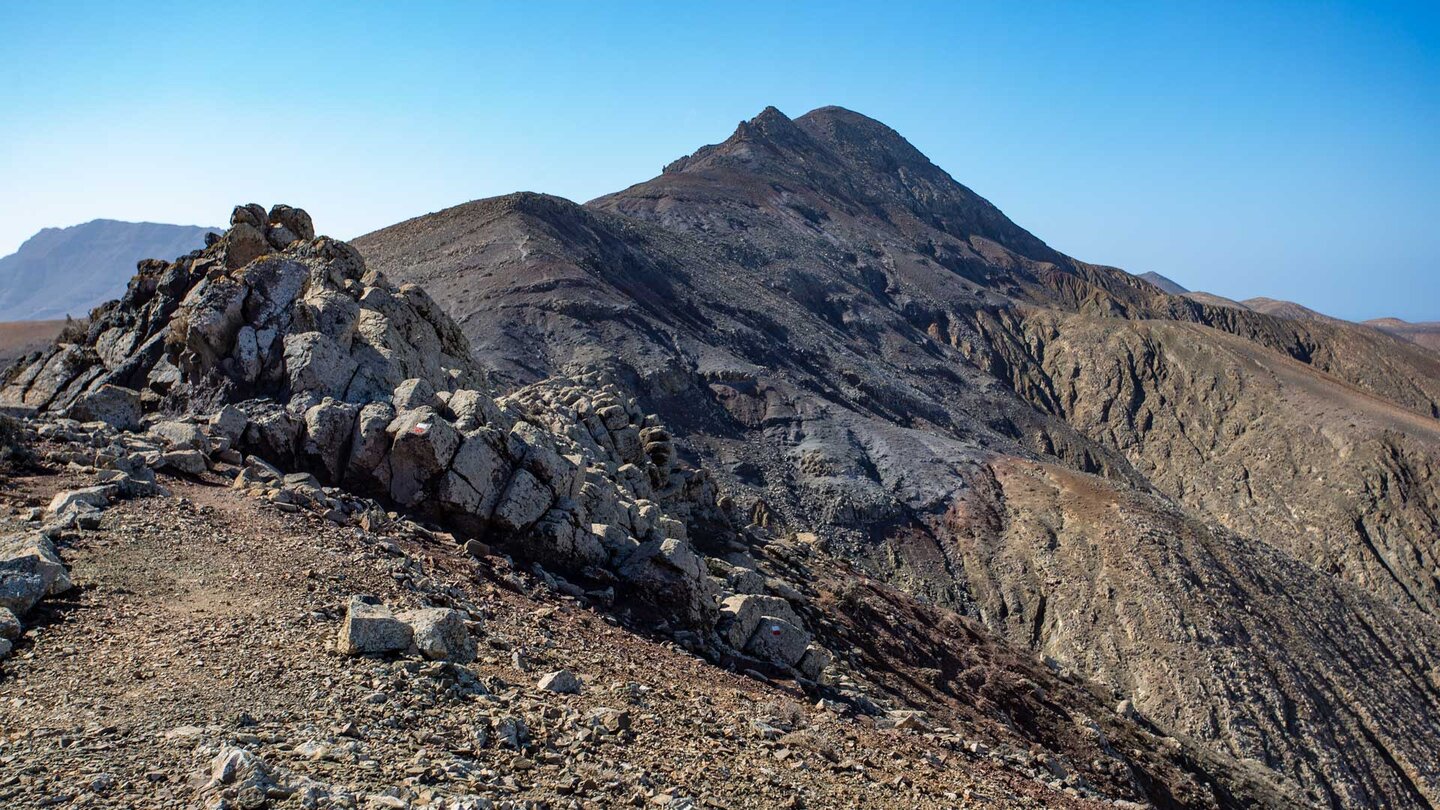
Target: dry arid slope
pixel 268 540
pixel 19 338
pixel 1233 518
pixel 1425 334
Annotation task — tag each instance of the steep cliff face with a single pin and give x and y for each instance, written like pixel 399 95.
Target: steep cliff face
pixel 1179 615
pixel 861 348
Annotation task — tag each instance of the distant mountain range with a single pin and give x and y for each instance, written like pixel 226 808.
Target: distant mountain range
pixel 67 271
pixel 1425 334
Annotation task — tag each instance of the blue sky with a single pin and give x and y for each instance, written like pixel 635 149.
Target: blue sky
pixel 1288 150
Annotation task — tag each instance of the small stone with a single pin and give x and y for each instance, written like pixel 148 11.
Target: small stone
pixel 561 681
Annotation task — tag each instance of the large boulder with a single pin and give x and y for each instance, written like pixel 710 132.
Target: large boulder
pixel 423 444
pixel 97 497
pixel 524 501
pixel 742 614
pixel 19 591
pixel 114 405
pixel 33 553
pixel 370 628
pixel 440 634
pixel 179 435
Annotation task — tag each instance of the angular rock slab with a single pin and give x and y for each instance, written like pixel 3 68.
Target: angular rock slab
pixel 370 628
pixel 33 553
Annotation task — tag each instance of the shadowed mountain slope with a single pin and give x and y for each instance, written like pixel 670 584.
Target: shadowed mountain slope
pixel 1229 516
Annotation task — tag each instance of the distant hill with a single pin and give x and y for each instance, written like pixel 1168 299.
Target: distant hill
pixel 1425 334
pixel 1285 309
pixel 1163 283
pixel 67 271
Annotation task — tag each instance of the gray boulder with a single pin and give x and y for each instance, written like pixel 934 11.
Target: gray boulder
pixel 68 501
pixel 33 553
pixel 370 628
pixel 19 591
pixel 740 615
pixel 229 422
pixel 112 404
pixel 187 462
pixel 414 393
pixel 10 627
pixel 328 429
pixel 423 445
pixel 179 435
pixel 778 640
pixel 440 634
pixel 524 501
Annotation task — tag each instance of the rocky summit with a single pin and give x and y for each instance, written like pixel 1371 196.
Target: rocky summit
pixel 798 476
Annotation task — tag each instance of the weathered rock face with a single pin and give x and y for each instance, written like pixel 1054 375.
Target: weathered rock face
pixel 1344 481
pixel 297 355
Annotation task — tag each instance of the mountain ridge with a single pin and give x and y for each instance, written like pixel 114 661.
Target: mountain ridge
pixel 864 349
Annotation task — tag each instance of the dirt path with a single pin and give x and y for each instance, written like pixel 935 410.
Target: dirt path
pixel 203 619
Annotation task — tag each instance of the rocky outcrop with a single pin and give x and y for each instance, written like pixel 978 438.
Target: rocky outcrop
pixel 281 346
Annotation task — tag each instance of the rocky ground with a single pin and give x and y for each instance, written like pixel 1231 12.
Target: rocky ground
pixel 199 641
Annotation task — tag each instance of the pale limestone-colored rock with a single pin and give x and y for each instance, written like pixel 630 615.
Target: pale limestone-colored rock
pixel 179 435
pixel 112 404
pixel 524 501
pixel 422 447
pixel 477 475
pixel 317 364
pixel 229 422
pixel 32 553
pixel 561 681
pixel 68 501
pixel 328 429
pixel 440 634
pixel 741 614
pixel 370 628
pixel 414 393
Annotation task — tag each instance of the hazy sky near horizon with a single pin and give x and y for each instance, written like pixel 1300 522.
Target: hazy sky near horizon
pixel 1290 150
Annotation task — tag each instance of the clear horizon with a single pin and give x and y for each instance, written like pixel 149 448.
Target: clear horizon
pixel 1282 150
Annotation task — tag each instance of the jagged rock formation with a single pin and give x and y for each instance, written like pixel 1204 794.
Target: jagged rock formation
pixel 859 347
pixel 276 359
pixel 314 364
